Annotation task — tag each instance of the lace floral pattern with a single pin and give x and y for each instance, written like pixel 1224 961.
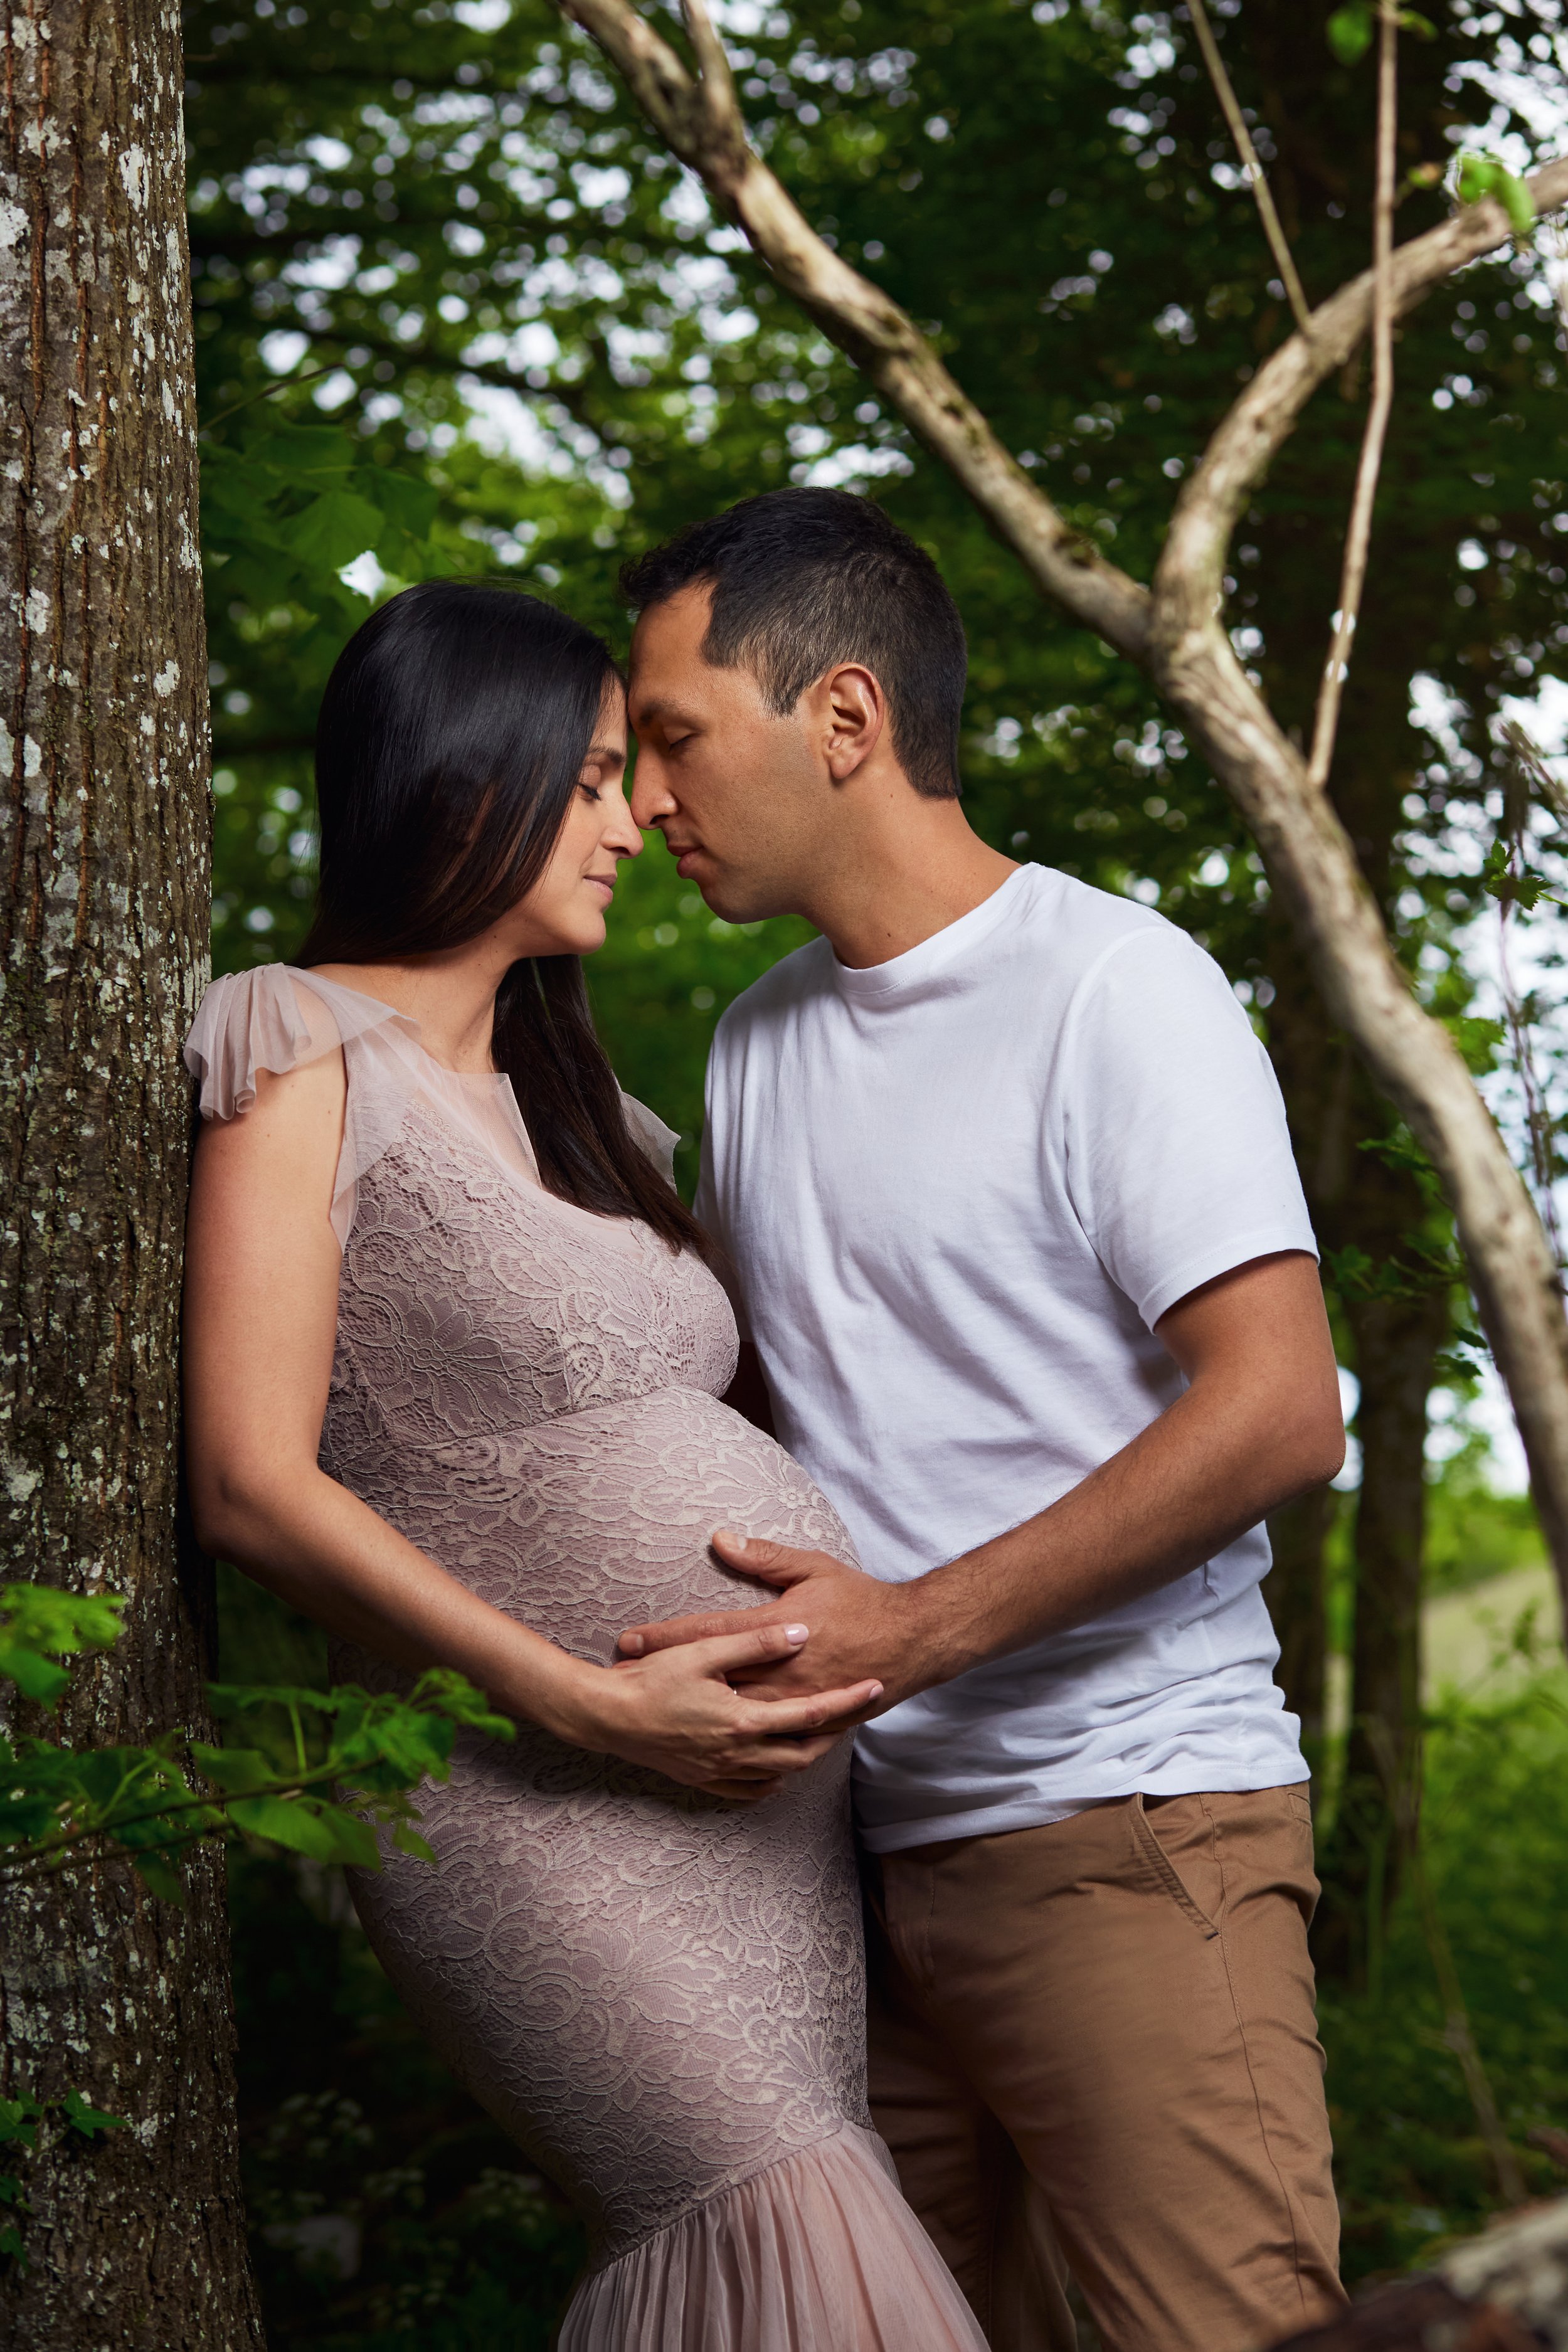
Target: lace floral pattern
pixel 657 1993
pixel 660 1996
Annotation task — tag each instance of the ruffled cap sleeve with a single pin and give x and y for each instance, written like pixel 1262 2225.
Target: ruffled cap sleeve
pixel 265 1019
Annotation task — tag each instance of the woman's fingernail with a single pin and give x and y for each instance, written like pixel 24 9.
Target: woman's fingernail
pixel 737 1543
pixel 876 1690
pixel 797 1632
pixel 631 1645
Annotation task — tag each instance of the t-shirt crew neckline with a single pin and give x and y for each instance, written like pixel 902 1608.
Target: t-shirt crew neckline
pixel 917 965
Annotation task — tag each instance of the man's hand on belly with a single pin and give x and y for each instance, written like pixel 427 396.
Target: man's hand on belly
pixel 857 1623
pixel 1257 1423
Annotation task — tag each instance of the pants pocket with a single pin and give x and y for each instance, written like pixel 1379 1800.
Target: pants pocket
pixel 1146 1841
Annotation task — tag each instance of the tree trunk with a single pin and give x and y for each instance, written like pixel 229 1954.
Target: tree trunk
pixel 1378 1814
pixel 136 2239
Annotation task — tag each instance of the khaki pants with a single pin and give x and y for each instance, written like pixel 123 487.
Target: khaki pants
pixel 1099 2034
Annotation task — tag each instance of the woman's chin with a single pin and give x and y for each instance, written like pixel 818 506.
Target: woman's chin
pixel 590 935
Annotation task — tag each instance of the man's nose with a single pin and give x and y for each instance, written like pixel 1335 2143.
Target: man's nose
pixel 651 796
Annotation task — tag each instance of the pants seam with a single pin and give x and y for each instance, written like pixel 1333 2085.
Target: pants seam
pixel 1246 2058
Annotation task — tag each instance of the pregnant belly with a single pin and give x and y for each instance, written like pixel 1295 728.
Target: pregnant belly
pixel 583 1526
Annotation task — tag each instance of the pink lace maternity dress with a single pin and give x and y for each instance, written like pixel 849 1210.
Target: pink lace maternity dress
pixel 657 1993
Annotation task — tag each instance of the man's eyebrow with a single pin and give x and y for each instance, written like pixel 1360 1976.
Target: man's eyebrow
pixel 657 709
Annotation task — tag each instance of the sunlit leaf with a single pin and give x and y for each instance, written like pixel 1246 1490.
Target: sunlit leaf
pixel 1350 31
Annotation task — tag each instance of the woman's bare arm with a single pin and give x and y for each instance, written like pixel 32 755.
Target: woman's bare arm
pixel 262 1303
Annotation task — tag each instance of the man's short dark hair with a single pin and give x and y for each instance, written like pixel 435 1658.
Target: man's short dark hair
pixel 805 579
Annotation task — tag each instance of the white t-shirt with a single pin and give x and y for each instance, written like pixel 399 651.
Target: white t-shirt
pixel 958 1190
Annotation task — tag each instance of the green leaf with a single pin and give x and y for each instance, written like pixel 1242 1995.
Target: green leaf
pixel 1410 22
pixel 408 1840
pixel 333 530
pixel 238 1771
pixel 310 455
pixel 326 1832
pixel 34 1675
pixel 1482 175
pixel 89 2121
pixel 1350 31
pixel 40 1622
pixel 11 2244
pixel 18 2120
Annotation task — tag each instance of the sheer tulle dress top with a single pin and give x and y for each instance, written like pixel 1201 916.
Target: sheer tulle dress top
pixel 660 1995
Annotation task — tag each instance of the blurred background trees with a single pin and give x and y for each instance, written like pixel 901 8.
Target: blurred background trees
pixel 455 309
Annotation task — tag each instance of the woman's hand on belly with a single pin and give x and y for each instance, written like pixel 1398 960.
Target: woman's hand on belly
pixel 677 1713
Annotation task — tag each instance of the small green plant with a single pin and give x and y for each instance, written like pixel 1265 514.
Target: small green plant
pixel 19 2121
pixel 323 1773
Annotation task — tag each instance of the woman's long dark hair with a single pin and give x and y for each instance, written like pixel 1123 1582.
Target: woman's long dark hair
pixel 451 737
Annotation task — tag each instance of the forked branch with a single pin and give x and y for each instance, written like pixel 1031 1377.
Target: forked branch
pixel 1176 635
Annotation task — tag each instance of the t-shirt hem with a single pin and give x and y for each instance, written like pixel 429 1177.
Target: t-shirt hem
pixel 1040 1810
pixel 1237 1249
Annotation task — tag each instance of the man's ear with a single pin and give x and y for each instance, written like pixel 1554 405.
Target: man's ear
pixel 852 712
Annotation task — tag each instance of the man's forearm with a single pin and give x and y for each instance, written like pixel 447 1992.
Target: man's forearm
pixel 1258 1424
pixel 1184 1488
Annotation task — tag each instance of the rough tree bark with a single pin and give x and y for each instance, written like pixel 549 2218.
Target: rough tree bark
pixel 1175 632
pixel 136 2239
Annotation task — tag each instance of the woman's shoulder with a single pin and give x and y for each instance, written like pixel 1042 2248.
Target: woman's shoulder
pixel 274 1018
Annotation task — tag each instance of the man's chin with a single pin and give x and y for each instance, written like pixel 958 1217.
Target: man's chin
pixel 726 895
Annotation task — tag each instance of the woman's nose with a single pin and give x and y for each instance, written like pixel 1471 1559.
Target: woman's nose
pixel 622 835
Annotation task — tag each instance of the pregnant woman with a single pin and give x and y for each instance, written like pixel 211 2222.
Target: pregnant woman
pixel 455 1362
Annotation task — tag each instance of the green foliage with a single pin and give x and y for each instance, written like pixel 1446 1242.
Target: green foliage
pixel 39 1625
pixel 1473 1533
pixel 1484 175
pixel 326 1772
pixel 1350 29
pixel 444 216
pixel 1507 879
pixel 1412 2166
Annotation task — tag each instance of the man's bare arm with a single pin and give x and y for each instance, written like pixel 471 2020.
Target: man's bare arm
pixel 1258 1424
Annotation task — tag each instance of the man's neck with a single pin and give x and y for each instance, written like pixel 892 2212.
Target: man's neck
pixel 910 873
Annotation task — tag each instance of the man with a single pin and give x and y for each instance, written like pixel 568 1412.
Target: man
pixel 1005 1178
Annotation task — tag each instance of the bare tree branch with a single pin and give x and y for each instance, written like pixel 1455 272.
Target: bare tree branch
pixel 702 125
pixel 1231 107
pixel 1352 578
pixel 1177 635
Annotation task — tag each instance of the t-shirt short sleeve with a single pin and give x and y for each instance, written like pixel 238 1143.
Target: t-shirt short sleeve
pixel 1178 1157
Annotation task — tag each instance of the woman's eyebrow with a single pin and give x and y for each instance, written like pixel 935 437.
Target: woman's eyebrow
pixel 612 753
